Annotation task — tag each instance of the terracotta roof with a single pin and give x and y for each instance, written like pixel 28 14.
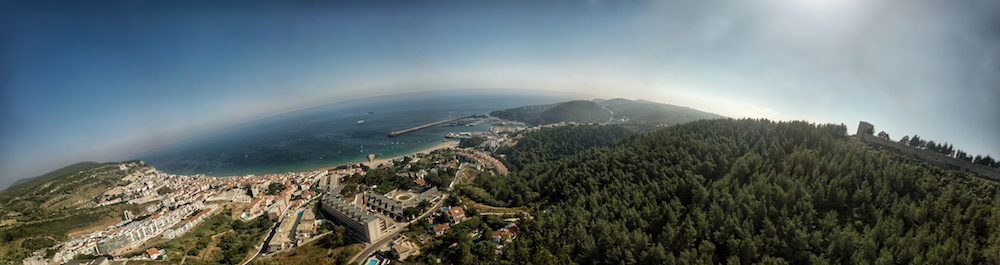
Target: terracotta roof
pixel 456 212
pixel 438 228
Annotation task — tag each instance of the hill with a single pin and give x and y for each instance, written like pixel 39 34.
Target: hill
pixel 652 113
pixel 19 182
pixel 746 191
pixel 40 211
pixel 631 113
pixel 579 111
pixel 575 111
pixel 51 175
pixel 71 185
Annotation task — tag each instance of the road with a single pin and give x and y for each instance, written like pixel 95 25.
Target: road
pixel 514 213
pixel 266 240
pixel 402 227
pixel 510 219
pixel 612 114
pixel 385 239
pixel 274 228
pixel 458 176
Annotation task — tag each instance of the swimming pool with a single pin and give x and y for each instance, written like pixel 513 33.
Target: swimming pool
pixel 372 262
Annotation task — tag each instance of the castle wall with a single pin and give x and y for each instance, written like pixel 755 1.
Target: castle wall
pixel 928 155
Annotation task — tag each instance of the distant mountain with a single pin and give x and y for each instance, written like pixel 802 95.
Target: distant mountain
pixel 653 113
pixel 19 182
pixel 576 111
pixel 623 111
pixel 527 114
pixel 580 111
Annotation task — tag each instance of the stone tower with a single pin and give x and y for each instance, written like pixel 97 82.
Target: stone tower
pixel 865 128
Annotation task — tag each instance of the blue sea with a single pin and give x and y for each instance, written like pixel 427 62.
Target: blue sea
pixel 330 135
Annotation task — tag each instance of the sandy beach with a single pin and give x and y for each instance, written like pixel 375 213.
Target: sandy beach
pixel 442 145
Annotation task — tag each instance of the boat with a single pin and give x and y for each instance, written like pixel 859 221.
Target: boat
pixel 361 121
pixel 371 112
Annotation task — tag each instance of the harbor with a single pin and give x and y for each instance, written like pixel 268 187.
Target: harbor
pixel 428 125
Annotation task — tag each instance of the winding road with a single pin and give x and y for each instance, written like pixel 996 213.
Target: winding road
pixel 612 114
pixel 402 227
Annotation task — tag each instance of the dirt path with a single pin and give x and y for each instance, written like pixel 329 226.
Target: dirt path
pixel 86 231
pixel 212 247
pixel 491 209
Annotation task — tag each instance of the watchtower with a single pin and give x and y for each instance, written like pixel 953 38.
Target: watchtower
pixel 865 128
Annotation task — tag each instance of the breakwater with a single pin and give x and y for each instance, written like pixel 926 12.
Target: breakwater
pixel 427 125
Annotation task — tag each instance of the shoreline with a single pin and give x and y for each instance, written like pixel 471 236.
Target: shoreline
pixel 379 161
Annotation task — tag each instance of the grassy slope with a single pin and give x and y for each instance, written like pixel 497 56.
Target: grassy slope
pixel 41 206
pixel 311 253
pixel 31 182
pixel 177 247
pixel 37 198
pixel 11 238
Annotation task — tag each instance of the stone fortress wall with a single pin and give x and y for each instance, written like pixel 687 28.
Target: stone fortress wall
pixel 929 156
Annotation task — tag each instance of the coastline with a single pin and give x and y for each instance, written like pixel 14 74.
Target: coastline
pixel 380 161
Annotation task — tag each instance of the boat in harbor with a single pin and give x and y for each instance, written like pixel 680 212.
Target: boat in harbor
pixel 361 121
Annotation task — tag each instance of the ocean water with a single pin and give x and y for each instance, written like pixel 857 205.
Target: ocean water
pixel 330 135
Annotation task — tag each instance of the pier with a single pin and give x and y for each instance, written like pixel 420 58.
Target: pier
pixel 427 125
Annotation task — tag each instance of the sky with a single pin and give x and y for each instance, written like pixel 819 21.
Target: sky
pixel 101 80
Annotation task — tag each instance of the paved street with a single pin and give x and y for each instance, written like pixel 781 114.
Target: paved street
pixel 385 239
pixel 402 227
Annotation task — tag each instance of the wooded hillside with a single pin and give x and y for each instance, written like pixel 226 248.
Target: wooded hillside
pixel 747 191
pixel 579 111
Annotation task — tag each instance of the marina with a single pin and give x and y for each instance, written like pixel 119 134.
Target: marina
pixel 428 125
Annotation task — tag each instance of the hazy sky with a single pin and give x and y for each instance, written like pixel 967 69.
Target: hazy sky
pixel 100 80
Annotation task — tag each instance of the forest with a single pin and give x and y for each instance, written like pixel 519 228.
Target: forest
pixel 554 143
pixel 740 192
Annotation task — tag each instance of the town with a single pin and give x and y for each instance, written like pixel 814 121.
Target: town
pixel 378 204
